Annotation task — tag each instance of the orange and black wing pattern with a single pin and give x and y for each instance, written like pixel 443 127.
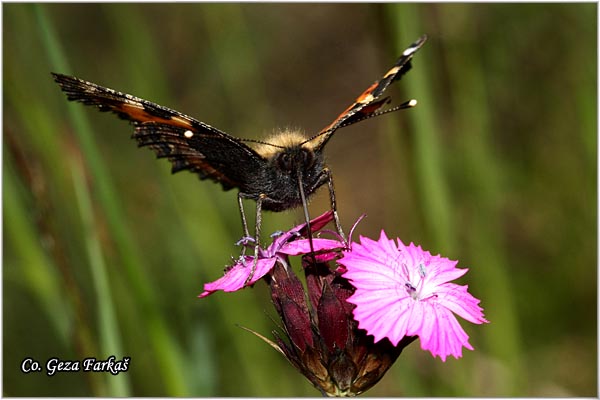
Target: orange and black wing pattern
pixel 369 102
pixel 186 142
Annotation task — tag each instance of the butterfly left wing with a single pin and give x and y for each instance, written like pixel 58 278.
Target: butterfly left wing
pixel 368 103
pixel 186 142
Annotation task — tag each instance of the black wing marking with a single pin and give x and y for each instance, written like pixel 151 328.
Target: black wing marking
pixel 368 102
pixel 186 142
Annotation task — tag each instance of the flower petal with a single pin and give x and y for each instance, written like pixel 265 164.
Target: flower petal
pixel 316 224
pixel 403 290
pixel 443 335
pixel 302 246
pixel 235 278
pixel 459 301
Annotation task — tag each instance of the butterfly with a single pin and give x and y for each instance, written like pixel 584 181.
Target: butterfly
pixel 279 173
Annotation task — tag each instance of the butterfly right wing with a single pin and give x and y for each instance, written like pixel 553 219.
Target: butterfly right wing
pixel 368 102
pixel 186 142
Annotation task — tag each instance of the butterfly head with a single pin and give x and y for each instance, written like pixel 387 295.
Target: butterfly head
pixel 289 152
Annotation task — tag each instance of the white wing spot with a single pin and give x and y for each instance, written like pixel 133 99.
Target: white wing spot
pixel 412 103
pixel 188 134
pixel 409 51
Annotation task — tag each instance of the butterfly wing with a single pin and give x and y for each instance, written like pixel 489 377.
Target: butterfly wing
pixel 186 142
pixel 368 102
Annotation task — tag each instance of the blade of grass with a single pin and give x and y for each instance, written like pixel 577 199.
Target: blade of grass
pixel 33 152
pixel 474 130
pixel 242 86
pixel 404 24
pixel 166 350
pixel 110 338
pixel 35 267
pixel 435 193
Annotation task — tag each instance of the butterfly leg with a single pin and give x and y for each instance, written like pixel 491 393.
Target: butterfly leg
pixel 306 217
pixel 257 236
pixel 329 177
pixel 246 238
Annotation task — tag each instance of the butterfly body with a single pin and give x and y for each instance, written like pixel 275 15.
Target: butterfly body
pixel 289 162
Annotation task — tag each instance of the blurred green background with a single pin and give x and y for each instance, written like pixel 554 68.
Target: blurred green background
pixel 105 251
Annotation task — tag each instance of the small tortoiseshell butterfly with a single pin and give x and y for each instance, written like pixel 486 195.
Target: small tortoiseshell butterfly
pixel 279 173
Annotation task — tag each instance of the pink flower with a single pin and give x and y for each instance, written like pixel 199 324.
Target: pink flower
pixel 289 243
pixel 405 291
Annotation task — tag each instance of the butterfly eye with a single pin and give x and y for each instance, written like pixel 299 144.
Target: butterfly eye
pixel 307 157
pixel 285 161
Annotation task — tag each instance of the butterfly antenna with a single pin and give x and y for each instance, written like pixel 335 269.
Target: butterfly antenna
pixel 407 104
pixel 320 134
pixel 262 142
